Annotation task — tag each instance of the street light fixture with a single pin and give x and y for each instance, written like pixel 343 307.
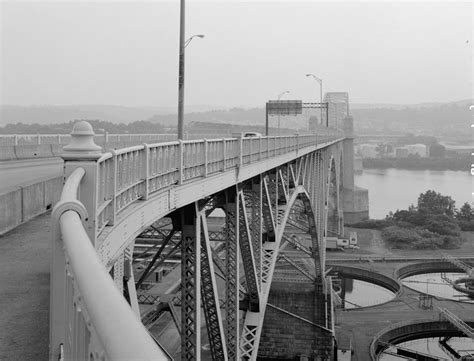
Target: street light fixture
pixel 191 38
pixel 279 96
pixel 182 45
pixel 320 81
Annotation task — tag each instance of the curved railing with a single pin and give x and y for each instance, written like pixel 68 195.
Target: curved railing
pixel 138 172
pixel 90 318
pixel 98 312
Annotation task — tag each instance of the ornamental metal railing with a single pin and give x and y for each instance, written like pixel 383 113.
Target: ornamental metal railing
pixel 135 173
pixel 90 318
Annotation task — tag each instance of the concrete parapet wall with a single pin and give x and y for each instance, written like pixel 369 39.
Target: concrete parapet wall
pixel 27 201
pixel 33 151
pixel 10 210
pixel 20 152
pixel 7 152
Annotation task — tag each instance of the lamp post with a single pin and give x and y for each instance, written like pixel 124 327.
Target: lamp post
pixel 182 45
pixel 320 81
pixel 279 96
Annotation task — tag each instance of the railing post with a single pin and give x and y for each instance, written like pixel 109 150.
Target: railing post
pixel 297 143
pixel 15 140
pixel 206 157
pixel 224 152
pixel 146 173
pixel 38 141
pixel 83 152
pixel 239 164
pixel 114 187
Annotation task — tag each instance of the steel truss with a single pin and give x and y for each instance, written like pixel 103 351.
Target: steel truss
pixel 246 251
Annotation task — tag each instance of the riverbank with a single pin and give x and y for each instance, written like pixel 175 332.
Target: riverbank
pixel 461 162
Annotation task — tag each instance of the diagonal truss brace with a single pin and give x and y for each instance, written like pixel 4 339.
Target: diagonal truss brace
pixel 248 259
pixel 210 298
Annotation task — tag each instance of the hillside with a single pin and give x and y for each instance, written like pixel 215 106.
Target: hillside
pixel 448 121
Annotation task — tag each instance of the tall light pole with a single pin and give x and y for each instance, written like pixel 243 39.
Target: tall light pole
pixel 279 96
pixel 320 81
pixel 182 45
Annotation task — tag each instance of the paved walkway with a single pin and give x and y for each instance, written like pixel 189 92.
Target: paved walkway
pixel 24 298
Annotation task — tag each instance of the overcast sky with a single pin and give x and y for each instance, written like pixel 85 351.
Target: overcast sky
pixel 126 53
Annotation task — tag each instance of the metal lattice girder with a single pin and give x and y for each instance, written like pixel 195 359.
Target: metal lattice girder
pixel 248 259
pixel 267 211
pixel 293 180
pixel 232 276
pixel 254 214
pixel 299 175
pixel 282 186
pixel 190 284
pixel 210 298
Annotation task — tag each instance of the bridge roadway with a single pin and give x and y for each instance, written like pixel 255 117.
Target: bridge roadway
pixel 14 173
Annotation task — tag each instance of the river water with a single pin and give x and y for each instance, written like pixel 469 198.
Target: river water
pixel 392 189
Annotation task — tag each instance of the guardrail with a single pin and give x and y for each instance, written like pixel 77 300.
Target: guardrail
pixel 97 323
pixel 89 315
pixel 134 173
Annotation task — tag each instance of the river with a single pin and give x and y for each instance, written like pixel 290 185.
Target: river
pixel 392 189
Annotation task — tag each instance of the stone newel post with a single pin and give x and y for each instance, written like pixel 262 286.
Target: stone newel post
pixel 83 152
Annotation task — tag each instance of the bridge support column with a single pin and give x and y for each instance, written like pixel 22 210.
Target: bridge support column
pixel 356 199
pixel 232 276
pixel 190 284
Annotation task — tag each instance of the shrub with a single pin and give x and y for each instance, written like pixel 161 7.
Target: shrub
pixel 416 238
pixel 450 242
pixel 399 237
pixel 372 224
pixel 443 226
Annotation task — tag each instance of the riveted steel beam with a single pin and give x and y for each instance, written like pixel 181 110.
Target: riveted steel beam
pixel 210 298
pixel 248 259
pixel 267 212
pixel 190 283
pixel 232 283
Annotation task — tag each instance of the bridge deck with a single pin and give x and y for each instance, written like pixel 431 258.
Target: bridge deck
pixel 25 256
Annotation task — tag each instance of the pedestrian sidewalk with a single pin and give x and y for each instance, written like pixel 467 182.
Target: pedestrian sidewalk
pixel 25 255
